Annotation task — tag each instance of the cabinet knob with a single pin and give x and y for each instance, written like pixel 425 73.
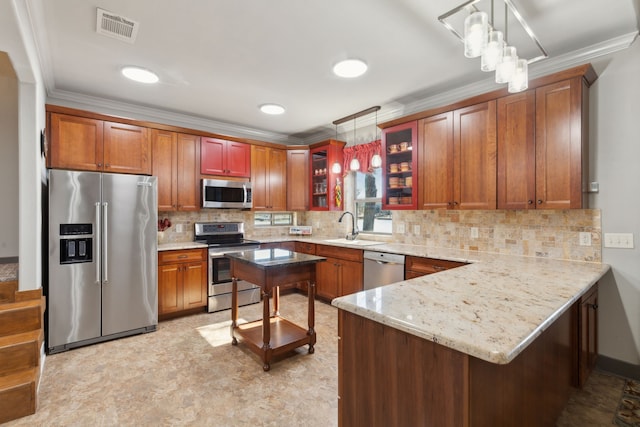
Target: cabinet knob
pixel 455 203
pixel 99 165
pixel 529 202
pixel 449 203
pixel 594 306
pixel 539 201
pixel 107 165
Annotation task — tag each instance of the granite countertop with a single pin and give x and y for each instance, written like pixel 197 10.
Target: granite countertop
pixel 181 245
pixel 491 309
pixel 273 258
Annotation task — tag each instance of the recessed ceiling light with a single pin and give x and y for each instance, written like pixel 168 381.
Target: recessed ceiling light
pixel 274 109
pixel 350 68
pixel 140 75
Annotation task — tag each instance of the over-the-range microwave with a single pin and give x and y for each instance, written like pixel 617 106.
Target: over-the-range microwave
pixel 222 193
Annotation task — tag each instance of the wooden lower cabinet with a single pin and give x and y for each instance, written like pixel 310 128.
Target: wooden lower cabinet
pixel 182 280
pixel 341 274
pixel 419 266
pixel 586 335
pixel 387 377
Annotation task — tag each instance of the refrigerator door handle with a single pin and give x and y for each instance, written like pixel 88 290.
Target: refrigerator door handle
pixel 98 233
pixel 105 264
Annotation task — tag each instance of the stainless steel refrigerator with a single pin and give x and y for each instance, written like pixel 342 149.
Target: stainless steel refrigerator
pixel 102 281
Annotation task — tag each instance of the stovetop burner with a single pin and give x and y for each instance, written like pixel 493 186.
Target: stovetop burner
pixel 221 234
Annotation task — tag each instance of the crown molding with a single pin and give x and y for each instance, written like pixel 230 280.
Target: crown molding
pixel 138 112
pixel 538 69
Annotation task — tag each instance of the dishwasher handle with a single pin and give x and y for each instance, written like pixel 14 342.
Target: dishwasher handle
pixel 383 257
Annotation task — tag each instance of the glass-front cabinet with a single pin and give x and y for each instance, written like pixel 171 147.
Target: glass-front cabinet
pixel 399 166
pixel 327 187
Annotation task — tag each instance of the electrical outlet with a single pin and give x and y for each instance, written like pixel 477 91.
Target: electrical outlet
pixel 585 239
pixel 416 229
pixel 179 228
pixel 474 232
pixel 400 228
pixel 618 240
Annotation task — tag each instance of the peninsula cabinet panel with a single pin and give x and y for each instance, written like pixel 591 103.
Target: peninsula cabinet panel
pixel 561 144
pixel 127 149
pixel 517 151
pixel 76 143
pixel 457 152
pixel 268 178
pixel 297 180
pixel 587 335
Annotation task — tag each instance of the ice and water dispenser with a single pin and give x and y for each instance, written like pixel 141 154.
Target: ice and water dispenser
pixel 76 245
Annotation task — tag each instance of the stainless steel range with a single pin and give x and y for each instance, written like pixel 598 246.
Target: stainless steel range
pixel 225 237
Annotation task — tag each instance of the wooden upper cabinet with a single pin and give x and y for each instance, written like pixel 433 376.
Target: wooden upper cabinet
pixel 517 151
pixel 297 180
pixel 474 142
pixel 175 163
pixel 435 140
pixel 82 143
pixel 457 152
pixel 561 144
pixel 76 142
pixel 165 167
pixel 268 178
pixel 227 158
pixel 127 149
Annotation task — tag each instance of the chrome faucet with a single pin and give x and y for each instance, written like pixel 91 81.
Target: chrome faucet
pixel 354 229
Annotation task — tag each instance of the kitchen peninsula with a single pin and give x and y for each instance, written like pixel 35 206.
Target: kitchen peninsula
pixel 269 269
pixel 490 343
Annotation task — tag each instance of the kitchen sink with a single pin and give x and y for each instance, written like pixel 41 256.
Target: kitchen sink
pixel 344 241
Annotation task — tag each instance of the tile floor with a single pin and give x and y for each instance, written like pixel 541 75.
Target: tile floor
pixel 187 373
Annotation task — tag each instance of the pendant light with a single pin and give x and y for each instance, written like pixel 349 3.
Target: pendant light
pixel 476 30
pixel 492 54
pixel 355 163
pixel 376 160
pixel 520 78
pixel 336 168
pixel 507 65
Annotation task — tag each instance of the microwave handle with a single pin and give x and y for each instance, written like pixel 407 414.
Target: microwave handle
pixel 244 188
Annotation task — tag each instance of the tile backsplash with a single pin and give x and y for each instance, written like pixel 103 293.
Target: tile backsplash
pixel 542 233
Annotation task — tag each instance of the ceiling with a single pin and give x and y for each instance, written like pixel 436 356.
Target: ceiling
pixel 218 60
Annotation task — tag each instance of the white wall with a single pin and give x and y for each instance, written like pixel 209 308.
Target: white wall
pixel 17 41
pixel 8 159
pixel 615 164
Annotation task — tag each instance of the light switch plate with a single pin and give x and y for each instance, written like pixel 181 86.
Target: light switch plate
pixel 416 229
pixel 474 232
pixel 179 228
pixel 400 228
pixel 585 238
pixel 618 240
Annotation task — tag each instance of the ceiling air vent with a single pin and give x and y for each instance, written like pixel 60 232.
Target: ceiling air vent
pixel 116 26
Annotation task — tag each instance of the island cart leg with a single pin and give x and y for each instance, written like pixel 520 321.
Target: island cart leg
pixel 266 331
pixel 276 301
pixel 311 284
pixel 234 309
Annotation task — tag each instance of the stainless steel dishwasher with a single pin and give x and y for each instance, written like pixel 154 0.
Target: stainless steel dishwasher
pixel 382 269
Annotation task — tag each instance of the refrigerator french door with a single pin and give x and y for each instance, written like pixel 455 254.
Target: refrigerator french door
pixel 102 280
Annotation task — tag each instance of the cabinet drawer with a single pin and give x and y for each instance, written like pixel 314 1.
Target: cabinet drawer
pixel 429 265
pixel 305 248
pixel 339 252
pixel 188 255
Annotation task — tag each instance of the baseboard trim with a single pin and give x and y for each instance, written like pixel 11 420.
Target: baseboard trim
pixel 618 367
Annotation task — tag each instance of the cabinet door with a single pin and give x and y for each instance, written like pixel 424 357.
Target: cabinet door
pixel 212 152
pixel 474 171
pixel 588 329
pixel 277 179
pixel 127 149
pixel 297 180
pixel 327 278
pixel 399 165
pixel 260 178
pixel 164 167
pixel 559 144
pixel 351 277
pixel 517 151
pixel 170 295
pixel 195 284
pixel 76 143
pixel 238 159
pixel 188 182
pixel 435 140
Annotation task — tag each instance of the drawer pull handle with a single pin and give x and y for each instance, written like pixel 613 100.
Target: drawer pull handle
pixel 182 256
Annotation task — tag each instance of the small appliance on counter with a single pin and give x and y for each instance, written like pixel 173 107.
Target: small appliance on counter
pixel 225 237
pixel 102 261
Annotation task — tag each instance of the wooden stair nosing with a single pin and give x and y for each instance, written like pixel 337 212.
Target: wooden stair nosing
pixel 19 317
pixel 23 337
pixel 18 394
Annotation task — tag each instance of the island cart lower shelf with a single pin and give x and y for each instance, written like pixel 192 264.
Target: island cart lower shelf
pixel 269 268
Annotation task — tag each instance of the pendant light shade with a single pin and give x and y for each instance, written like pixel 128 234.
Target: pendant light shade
pixel 476 32
pixel 506 67
pixel 376 161
pixel 354 165
pixel 520 79
pixel 336 168
pixel 492 54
